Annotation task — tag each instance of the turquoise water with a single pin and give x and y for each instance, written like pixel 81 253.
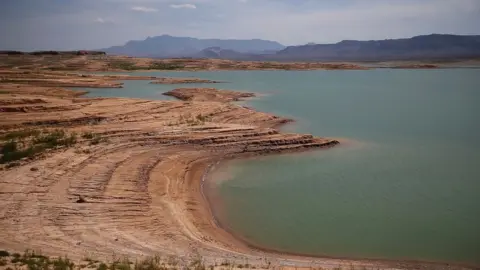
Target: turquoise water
pixel 404 184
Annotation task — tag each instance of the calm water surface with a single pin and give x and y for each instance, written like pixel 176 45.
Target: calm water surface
pixel 405 184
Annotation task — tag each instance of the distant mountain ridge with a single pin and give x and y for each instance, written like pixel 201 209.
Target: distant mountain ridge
pixel 419 47
pixel 432 46
pixel 170 46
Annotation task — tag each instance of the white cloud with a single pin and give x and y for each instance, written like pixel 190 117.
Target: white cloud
pixel 144 9
pixel 102 20
pixel 189 6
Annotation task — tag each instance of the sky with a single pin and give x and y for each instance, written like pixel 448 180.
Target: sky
pixel 95 24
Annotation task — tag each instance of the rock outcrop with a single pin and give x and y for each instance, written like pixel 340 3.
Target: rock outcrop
pixel 208 94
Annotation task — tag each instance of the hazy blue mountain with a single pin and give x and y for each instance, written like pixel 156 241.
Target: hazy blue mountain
pixel 169 46
pixel 419 47
pixel 433 46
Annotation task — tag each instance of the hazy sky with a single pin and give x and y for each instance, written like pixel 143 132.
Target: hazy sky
pixel 89 24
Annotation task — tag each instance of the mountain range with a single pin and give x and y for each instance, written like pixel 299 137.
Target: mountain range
pixel 435 46
pixel 169 46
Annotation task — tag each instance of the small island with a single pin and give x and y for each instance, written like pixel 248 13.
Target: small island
pixel 208 94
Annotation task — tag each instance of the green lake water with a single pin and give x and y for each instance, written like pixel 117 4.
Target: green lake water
pixel 404 184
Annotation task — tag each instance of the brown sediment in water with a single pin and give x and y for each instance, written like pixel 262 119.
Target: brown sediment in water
pixel 416 66
pixel 140 181
pixel 182 81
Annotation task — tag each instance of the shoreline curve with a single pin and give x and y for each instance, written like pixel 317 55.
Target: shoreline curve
pixel 247 246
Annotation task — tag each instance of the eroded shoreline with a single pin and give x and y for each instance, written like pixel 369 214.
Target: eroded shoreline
pixel 142 185
pixel 129 164
pixel 330 260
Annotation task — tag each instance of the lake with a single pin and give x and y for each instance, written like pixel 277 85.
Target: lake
pixel 403 184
